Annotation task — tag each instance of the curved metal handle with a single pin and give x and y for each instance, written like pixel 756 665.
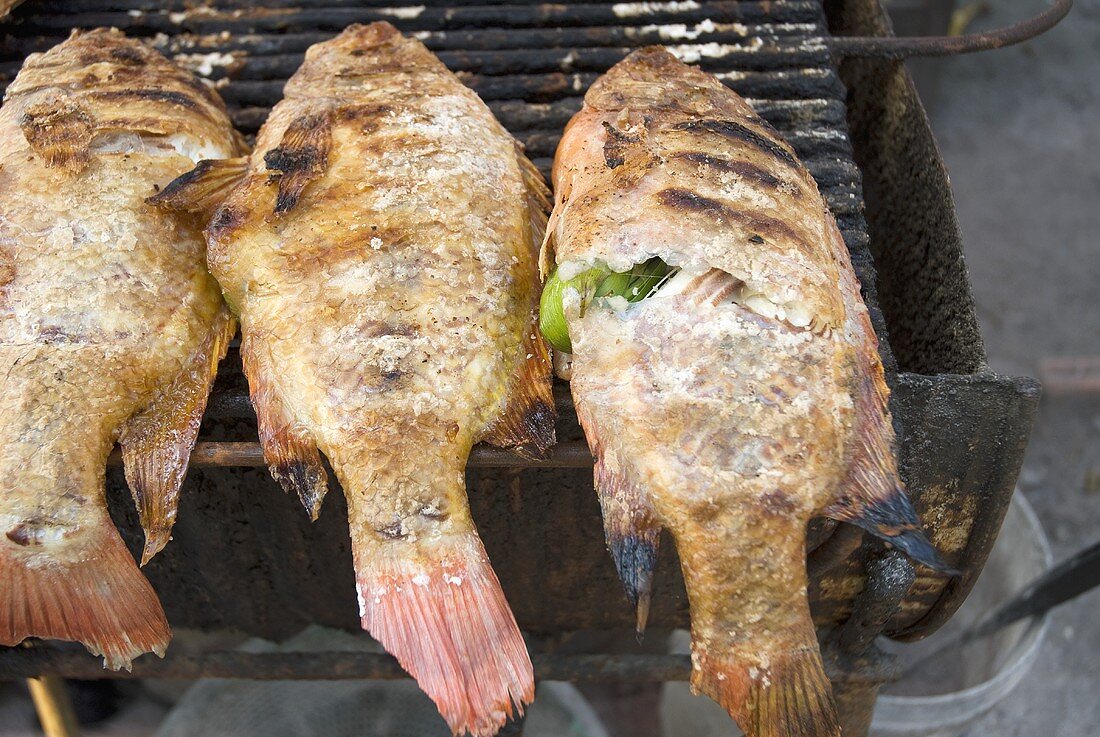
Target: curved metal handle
pixel 890 47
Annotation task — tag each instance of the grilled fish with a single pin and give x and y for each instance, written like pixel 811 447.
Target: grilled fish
pixel 382 252
pixel 111 328
pixel 733 392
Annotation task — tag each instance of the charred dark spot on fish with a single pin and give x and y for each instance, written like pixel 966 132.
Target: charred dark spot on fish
pixel 432 511
pixel 757 239
pixel 744 169
pixel 35 531
pixel 24 535
pixel 396 531
pixel 168 96
pixel 777 502
pixel 391 377
pixel 226 219
pixel 128 55
pixel 738 132
pixel 616 146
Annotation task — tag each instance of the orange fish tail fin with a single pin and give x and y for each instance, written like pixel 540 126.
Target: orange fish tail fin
pixel 448 624
pixel 92 593
pixel 785 694
pixel 873 495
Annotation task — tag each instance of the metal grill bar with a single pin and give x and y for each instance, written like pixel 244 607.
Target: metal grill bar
pixel 248 454
pixel 328 666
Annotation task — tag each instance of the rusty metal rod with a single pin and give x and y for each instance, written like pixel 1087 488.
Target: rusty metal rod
pixel 889 47
pixel 259 19
pixel 573 454
pixel 32 662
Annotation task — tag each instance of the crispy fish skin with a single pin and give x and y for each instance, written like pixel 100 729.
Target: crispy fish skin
pixel 741 400
pixel 110 325
pixel 382 255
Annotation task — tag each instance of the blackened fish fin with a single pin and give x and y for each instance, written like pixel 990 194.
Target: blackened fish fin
pixel 59 130
pixel 448 624
pixel 631 527
pixel 788 696
pixel 89 590
pixel 527 421
pixel 873 496
pixel 202 189
pixel 291 454
pixel 157 442
pixel 300 157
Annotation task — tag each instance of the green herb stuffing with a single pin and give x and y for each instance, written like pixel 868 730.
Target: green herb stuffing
pixel 635 285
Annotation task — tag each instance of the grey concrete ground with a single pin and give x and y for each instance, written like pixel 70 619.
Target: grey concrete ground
pixel 1020 132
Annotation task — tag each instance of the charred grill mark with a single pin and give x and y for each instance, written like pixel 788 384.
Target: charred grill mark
pixel 743 169
pixel 738 132
pixel 173 98
pixel 616 146
pixel 368 116
pixel 128 55
pixel 692 202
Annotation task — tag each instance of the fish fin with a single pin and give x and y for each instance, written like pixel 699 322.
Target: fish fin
pixel 92 593
pixel 60 131
pixel 873 496
pixel 633 536
pixel 202 189
pixel 527 422
pixel 291 454
pixel 538 195
pixel 157 442
pixel 448 624
pixel 786 696
pixel 300 157
pixel 630 524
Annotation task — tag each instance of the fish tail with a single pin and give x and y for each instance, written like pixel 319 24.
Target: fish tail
pixel 784 694
pixel 873 495
pixel 90 591
pixel 445 619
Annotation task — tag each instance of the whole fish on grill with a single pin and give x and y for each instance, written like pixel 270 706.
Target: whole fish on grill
pixel 111 328
pixel 381 251
pixel 724 369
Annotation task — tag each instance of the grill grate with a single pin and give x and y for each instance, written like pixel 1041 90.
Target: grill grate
pixel 531 63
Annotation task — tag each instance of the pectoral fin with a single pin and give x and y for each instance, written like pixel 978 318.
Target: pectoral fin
pixel 60 131
pixel 527 422
pixel 631 528
pixel 157 442
pixel 873 496
pixel 291 454
pixel 300 157
pixel 202 189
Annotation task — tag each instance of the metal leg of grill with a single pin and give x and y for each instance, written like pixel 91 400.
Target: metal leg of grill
pixel 54 707
pixel 857 666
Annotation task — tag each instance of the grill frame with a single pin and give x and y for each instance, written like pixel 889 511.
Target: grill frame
pixel 961 429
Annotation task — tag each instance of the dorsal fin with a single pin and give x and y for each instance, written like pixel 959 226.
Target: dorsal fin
pixel 300 157
pixel 59 130
pixel 202 189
